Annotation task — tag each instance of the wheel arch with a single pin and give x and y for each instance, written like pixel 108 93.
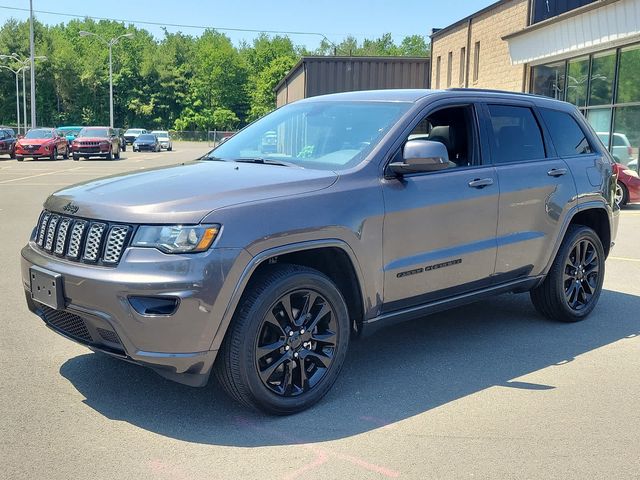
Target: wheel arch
pixel 332 257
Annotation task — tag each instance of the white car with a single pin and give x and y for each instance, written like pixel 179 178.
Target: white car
pixel 164 139
pixel 622 151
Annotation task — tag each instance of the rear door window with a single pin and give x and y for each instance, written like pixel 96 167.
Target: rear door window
pixel 567 136
pixel 516 135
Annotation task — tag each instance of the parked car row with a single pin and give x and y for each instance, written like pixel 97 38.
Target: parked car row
pixel 80 142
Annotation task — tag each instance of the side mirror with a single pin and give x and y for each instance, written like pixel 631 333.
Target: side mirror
pixel 421 156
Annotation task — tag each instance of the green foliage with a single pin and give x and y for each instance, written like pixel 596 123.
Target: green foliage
pixel 180 81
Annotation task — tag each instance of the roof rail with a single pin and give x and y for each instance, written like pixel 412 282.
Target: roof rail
pixel 489 90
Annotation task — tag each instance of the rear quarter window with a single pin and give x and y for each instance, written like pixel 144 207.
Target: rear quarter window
pixel 566 134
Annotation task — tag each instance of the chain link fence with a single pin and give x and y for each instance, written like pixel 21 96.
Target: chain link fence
pixel 212 137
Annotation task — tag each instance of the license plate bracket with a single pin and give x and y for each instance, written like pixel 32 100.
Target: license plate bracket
pixel 47 287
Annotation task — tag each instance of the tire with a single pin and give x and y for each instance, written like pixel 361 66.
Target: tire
pixel 54 154
pixel 553 297
pixel 295 351
pixel 622 194
pixel 76 157
pixel 109 155
pixel 20 159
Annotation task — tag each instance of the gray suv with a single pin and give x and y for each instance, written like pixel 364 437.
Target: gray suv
pixel 364 209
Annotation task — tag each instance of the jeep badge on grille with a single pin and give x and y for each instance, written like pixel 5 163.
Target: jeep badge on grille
pixel 71 208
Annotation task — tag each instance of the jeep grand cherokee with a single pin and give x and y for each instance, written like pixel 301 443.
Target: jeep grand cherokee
pixel 369 208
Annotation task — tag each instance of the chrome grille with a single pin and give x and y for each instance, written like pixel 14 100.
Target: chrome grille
pixel 115 242
pixel 44 219
pixel 82 240
pixel 51 232
pixel 76 239
pixel 94 242
pixel 61 240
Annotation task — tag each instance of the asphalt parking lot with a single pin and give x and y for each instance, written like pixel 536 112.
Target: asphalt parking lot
pixel 485 391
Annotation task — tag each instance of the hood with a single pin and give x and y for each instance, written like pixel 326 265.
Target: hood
pixel 184 193
pixel 34 141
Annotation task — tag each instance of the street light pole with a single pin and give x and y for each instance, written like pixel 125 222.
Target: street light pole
pixel 32 57
pixel 24 100
pixel 16 73
pixel 110 44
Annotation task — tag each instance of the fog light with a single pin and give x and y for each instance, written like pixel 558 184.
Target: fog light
pixel 164 306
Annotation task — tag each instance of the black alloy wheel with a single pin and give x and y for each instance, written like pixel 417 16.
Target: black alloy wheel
pixel 287 340
pixel 581 274
pixel 296 343
pixel 571 289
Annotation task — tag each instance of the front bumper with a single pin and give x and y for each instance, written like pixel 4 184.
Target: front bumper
pixel 35 153
pixel 144 147
pixel 99 315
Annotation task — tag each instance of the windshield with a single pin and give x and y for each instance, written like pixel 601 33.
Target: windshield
pixel 39 133
pixel 320 135
pixel 133 131
pixel 94 132
pixel 70 131
pixel 146 138
pixel 161 134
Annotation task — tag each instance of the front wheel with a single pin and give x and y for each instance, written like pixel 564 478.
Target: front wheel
pixel 287 341
pixel 573 285
pixel 76 157
pixel 622 194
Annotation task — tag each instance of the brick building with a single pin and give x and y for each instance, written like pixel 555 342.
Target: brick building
pixel 586 52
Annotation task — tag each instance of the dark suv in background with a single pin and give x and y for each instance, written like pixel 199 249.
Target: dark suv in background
pixel 264 259
pixel 8 142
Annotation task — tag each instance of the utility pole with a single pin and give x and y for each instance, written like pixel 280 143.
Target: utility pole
pixel 33 67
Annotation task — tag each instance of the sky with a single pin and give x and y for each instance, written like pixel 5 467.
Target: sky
pixel 335 19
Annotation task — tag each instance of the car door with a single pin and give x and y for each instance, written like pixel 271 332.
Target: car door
pixel 536 188
pixel 439 227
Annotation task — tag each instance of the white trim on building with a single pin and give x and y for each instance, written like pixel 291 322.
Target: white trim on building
pixel 610 25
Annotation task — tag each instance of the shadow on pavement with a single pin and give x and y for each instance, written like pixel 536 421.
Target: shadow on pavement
pixel 395 374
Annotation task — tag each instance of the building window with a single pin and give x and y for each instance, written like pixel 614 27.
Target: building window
pixel 449 67
pixel 544 9
pixel 549 80
pixel 603 70
pixel 438 65
pixel 577 81
pixel 628 82
pixel 476 62
pixel 463 61
pixel 626 135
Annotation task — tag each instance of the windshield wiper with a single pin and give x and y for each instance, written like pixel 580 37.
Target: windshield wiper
pixel 267 161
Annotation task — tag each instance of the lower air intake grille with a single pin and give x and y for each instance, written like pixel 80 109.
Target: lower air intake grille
pixel 108 335
pixel 67 323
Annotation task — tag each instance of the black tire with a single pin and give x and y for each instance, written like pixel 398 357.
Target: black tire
pixel 551 297
pixel 109 155
pixel 76 157
pixel 237 366
pixel 20 159
pixel 622 194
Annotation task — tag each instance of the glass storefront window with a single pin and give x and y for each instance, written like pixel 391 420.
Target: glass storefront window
pixel 577 81
pixel 626 136
pixel 600 120
pixel 603 70
pixel 628 81
pixel 548 80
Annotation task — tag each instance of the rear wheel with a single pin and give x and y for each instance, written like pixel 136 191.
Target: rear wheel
pixel 572 287
pixel 287 341
pixel 622 194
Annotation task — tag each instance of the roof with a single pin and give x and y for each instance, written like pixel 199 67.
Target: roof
pixel 346 58
pixel 467 18
pixel 386 95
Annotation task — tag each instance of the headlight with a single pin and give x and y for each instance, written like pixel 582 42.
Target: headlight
pixel 176 238
pixel 631 173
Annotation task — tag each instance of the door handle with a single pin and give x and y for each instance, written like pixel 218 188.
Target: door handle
pixel 481 182
pixel 557 172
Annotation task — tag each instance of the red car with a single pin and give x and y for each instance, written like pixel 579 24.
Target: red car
pixel 42 143
pixel 628 187
pixel 96 142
